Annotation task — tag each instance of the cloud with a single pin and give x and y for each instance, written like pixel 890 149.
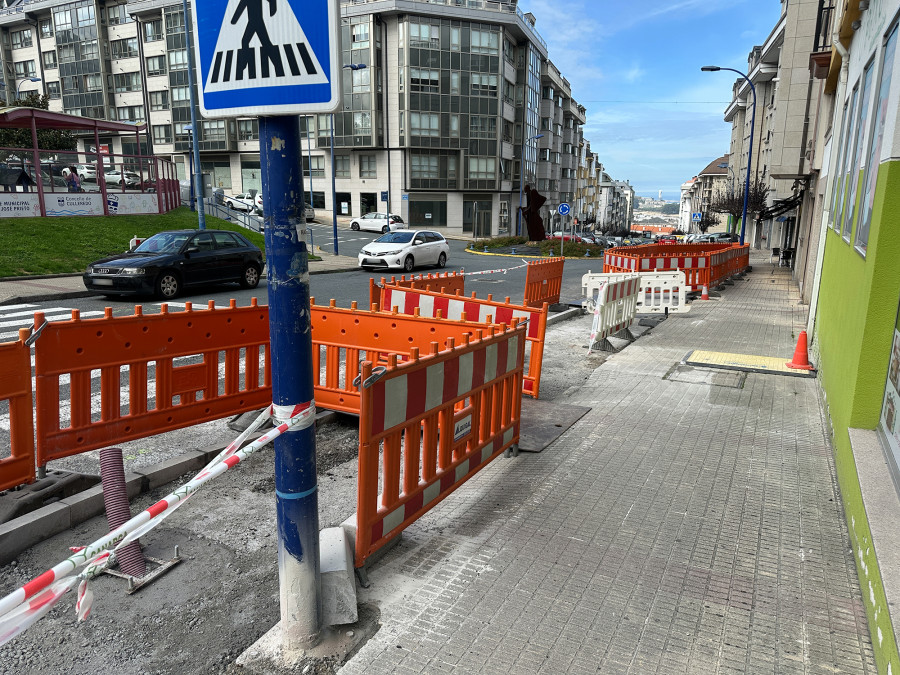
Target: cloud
pixel 633 74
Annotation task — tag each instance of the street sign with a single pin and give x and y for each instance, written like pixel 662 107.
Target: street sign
pixel 263 57
pixel 384 195
pixel 563 209
pixel 696 217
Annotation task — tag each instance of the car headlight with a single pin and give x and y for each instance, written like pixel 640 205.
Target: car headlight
pixel 133 270
pixel 364 252
pixel 392 252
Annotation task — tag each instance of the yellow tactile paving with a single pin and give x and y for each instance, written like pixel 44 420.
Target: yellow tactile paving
pixel 749 362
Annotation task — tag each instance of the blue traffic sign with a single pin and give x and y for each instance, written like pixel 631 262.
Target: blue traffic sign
pixel 696 217
pixel 563 209
pixel 263 57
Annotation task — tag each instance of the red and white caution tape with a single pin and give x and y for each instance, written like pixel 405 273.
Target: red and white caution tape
pixel 21 608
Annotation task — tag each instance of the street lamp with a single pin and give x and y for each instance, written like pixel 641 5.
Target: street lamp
pixel 23 80
pixel 350 66
pixel 190 129
pixel 713 69
pixel 522 178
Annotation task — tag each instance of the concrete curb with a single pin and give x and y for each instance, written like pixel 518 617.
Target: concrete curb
pixel 565 316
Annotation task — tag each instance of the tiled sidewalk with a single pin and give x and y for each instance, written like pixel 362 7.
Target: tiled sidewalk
pixel 690 523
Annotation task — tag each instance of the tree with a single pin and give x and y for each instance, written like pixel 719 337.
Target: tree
pixel 670 209
pixel 707 220
pixel 48 139
pixel 732 200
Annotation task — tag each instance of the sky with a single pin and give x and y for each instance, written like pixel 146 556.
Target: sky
pixel 653 117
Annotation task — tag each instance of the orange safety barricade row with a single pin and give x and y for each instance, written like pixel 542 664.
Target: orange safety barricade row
pixel 703 264
pixel 445 282
pixel 438 420
pixel 161 394
pixel 342 338
pixel 15 388
pixel 543 281
pixel 428 304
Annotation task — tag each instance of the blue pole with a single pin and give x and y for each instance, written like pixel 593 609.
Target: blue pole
pixel 195 144
pixel 296 497
pixel 333 193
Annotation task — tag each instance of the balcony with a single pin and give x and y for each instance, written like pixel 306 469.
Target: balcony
pixel 820 59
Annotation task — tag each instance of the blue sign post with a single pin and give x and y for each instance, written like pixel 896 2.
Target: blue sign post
pixel 281 58
pixel 563 210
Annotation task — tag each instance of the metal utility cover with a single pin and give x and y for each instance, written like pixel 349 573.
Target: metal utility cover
pixel 543 422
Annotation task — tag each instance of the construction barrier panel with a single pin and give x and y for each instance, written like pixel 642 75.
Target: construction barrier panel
pixel 615 305
pixel 15 389
pixel 434 422
pixel 451 283
pixel 342 338
pixel 474 309
pixel 160 395
pixel 703 264
pixel 660 291
pixel 543 281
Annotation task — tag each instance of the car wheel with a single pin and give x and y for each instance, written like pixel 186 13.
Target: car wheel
pixel 168 285
pixel 408 264
pixel 442 260
pixel 354 227
pixel 385 229
pixel 250 277
pixel 231 205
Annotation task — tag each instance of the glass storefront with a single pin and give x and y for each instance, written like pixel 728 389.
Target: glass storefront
pixel 890 409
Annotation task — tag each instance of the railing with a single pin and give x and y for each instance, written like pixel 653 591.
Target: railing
pixel 823 26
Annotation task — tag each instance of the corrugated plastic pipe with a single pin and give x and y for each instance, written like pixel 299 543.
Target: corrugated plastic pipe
pixel 118 511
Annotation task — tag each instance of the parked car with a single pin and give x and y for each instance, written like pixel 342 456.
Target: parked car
pixel 83 171
pixel 568 236
pixel 377 222
pixel 241 202
pixel 406 249
pixel 310 213
pixel 667 239
pixel 169 261
pixel 724 237
pixel 117 177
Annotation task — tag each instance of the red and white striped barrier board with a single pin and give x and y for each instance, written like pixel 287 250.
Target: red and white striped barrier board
pixel 659 291
pixel 614 307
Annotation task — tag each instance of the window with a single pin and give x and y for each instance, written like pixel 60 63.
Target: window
pixel 454 82
pixel 124 49
pixel 156 65
pixel 67 54
pixel 307 127
pixel 861 128
pixel 342 166
pixel 545 124
pixel 225 240
pixel 318 165
pixel 90 50
pixel 153 30
pixel 361 81
pixel 181 96
pixel 482 127
pixel 178 59
pixel 424 36
pixel 117 15
pixel 130 113
pixel 63 20
pixel 842 168
pixel 49 59
pixel 424 124
pixel 159 100
pixel 46 26
pixel 424 166
pixel 123 82
pixel 213 130
pixel 454 39
pixel 454 126
pixel 93 82
pixel 24 69
pixel 248 130
pixel 362 123
pixel 482 168
pixel 367 166
pixel 424 80
pixel 484 84
pixel 175 22
pixel 162 133
pixel 53 90
pixel 485 42
pixel 359 36
pixel 84 16
pixel 451 167
pixel 20 38
pixel 180 132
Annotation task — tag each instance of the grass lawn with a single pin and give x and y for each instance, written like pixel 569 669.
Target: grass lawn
pixel 69 244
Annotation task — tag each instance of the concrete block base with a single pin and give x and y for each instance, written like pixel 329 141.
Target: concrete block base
pixel 338 581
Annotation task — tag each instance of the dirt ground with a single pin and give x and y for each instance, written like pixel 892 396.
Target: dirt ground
pixel 224 594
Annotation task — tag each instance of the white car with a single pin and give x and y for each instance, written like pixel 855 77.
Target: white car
pixel 406 249
pixel 117 177
pixel 242 202
pixel 84 171
pixel 378 222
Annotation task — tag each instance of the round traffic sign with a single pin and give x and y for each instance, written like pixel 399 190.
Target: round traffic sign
pixel 563 209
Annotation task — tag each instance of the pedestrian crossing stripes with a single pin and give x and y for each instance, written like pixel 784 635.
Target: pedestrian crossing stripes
pixel 22 316
pixel 240 63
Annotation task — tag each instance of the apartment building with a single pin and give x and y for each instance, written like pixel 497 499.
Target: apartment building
pixel 438 126
pixel 702 190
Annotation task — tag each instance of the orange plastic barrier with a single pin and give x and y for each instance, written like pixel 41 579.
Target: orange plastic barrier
pixel 162 395
pixel 543 281
pixel 438 419
pixel 409 301
pixel 451 283
pixel 703 264
pixel 344 337
pixel 15 387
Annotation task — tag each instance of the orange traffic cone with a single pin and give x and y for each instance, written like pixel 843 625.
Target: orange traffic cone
pixel 705 294
pixel 801 357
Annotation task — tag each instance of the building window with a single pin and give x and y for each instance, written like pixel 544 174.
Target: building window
pixel 361 81
pixel 93 82
pixel 482 168
pixel 159 100
pixel 181 96
pixel 53 89
pixel 49 59
pixel 126 82
pixel 485 42
pixel 175 22
pixel 424 36
pixel 124 49
pixel 24 69
pixel 90 50
pixel 307 127
pixel 67 54
pixel 248 130
pixel 318 166
pixel 213 130
pixel 454 82
pixel 178 59
pixel 84 16
pixel 861 128
pixel 482 127
pixel 117 15
pixel 153 30
pixel 454 126
pixel 63 20
pixel 20 38
pixel 156 65
pixel 484 84
pixel 362 123
pixel 162 133
pixel 342 166
pixel 181 133
pixel 130 113
pixel 428 81
pixel 424 166
pixel 367 166
pixel 424 124
pixel 454 39
pixel 46 26
pixel 359 36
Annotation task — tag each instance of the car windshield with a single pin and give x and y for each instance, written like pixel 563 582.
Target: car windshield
pixel 395 238
pixel 164 242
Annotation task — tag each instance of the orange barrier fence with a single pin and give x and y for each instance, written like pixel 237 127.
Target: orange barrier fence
pixel 543 281
pixel 435 421
pixel 452 283
pixel 344 337
pixel 15 388
pixel 162 395
pixel 703 264
pixel 429 304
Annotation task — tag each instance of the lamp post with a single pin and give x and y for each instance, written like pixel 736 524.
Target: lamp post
pixel 195 145
pixel 349 66
pixel 713 69
pixel 21 81
pixel 522 178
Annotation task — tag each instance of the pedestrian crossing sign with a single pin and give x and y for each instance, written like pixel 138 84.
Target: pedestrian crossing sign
pixel 260 57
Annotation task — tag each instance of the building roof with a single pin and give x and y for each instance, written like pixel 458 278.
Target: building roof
pixel 20 118
pixel 713 168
